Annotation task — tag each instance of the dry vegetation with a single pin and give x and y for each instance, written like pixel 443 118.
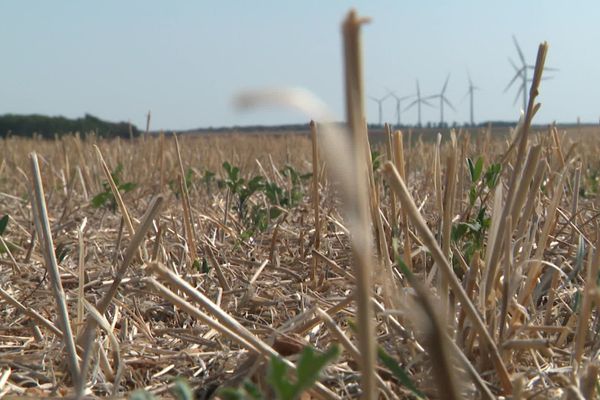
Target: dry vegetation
pixel 484 272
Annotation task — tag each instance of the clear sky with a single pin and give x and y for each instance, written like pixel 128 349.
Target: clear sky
pixel 186 60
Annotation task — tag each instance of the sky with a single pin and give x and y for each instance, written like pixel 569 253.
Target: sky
pixel 186 60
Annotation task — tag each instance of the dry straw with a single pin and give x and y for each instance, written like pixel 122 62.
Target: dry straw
pixel 42 225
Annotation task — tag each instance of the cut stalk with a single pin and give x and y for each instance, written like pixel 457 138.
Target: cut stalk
pixel 361 246
pixel 43 227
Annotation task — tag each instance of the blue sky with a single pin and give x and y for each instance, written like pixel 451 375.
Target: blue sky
pixel 186 60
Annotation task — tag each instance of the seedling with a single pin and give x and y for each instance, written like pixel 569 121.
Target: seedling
pixel 3 225
pixel 187 181
pixel 241 189
pixel 181 391
pixel 106 197
pixel 309 368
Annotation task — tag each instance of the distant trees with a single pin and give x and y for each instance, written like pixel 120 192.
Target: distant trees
pixel 47 127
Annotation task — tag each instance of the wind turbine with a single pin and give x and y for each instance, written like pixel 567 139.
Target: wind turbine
pixel 443 100
pixel 521 72
pixel 472 89
pixel 379 102
pixel 419 100
pixel 399 101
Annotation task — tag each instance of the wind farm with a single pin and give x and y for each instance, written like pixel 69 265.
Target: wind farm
pixel 521 78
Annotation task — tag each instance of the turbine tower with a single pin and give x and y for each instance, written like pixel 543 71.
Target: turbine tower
pixel 443 100
pixel 399 101
pixel 379 102
pixel 521 73
pixel 472 89
pixel 418 101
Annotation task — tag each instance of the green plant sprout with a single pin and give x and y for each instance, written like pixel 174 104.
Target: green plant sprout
pixel 106 197
pixel 308 370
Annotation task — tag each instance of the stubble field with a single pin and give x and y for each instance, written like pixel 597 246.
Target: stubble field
pixel 260 262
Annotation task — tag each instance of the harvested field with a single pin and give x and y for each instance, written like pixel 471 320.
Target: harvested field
pixel 465 267
pixel 267 283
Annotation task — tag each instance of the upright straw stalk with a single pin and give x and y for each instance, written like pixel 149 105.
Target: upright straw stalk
pixel 43 227
pixel 448 209
pixel 315 195
pixel 190 234
pixel 361 243
pixel 399 162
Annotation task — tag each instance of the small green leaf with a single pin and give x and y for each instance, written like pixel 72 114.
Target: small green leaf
pixel 311 364
pixel 252 390
pixel 375 159
pixel 231 394
pixel 205 266
pixel 398 372
pixel 127 187
pixel 196 265
pixel 100 199
pixel 478 168
pixel 247 391
pixel 9 247
pixel 471 170
pixel 3 224
pixel 458 231
pixel 181 390
pixel 492 174
pixel 576 301
pixel 472 226
pixel 61 252
pixel 115 175
pixel 472 195
pixel 247 234
pixel 277 378
pixel 255 183
pixel 141 395
pixel 227 167
pixel 275 212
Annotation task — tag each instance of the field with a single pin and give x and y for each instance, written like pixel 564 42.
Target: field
pixel 302 265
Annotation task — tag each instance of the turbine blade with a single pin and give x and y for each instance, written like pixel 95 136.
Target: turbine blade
pixel 521 56
pixel 427 103
pixel 465 96
pixel 448 103
pixel 517 76
pixel 519 92
pixel 411 105
pixel 514 65
pixel 445 84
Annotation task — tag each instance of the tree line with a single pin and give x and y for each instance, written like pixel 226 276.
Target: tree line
pixel 49 127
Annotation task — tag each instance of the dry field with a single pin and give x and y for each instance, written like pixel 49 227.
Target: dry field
pixel 459 268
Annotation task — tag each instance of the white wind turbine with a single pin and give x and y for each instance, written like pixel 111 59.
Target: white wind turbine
pixel 418 101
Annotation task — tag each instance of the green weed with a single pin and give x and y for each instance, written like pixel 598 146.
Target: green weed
pixel 106 197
